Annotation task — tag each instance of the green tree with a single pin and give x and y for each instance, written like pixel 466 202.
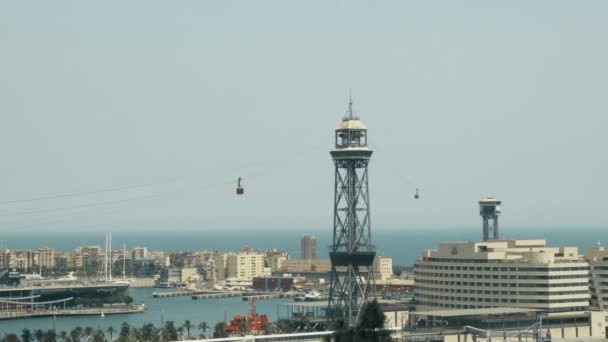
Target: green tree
pixel 188 325
pixel 148 332
pixel 39 335
pixel 204 327
pixel 125 330
pixel 11 338
pixel 99 336
pixel 369 328
pixel 75 334
pixel 372 316
pixel 220 330
pixel 26 335
pixel 50 336
pixel 128 300
pixel 63 335
pixel 111 332
pixel 169 332
pixel 88 331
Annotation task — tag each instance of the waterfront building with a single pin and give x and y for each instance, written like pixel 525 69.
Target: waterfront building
pixel 245 265
pixel 502 273
pixel 306 266
pixel 308 247
pixel 174 276
pixel 273 283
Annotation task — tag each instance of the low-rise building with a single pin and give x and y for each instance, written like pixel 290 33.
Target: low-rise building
pixel 273 283
pixel 306 266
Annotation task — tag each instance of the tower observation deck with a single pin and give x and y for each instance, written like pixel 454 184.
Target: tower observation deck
pixel 351 254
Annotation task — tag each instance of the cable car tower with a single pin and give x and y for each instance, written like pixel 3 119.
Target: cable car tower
pixel 351 254
pixel 490 209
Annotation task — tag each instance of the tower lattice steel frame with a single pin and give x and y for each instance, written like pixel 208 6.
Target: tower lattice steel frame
pixel 352 253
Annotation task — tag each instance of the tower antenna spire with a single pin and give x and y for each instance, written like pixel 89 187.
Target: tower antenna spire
pixel 350 112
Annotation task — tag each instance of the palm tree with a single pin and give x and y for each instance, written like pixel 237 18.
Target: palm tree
pixel 99 336
pixel 111 332
pixel 204 327
pixel 63 336
pixel 188 325
pixel 39 335
pixel 75 334
pixel 88 331
pixel 26 335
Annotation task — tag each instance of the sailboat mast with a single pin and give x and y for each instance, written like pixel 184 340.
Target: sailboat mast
pixel 124 260
pixel 110 256
pixel 105 260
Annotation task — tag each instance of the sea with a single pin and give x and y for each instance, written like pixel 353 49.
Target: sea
pixel 403 245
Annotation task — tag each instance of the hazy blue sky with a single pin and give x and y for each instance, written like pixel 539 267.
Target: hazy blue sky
pixel 174 99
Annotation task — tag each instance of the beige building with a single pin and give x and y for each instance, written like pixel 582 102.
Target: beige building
pixel 597 257
pixel 45 257
pixel 245 265
pixel 306 266
pixel 383 267
pixel 220 261
pixel 502 273
pixel 275 262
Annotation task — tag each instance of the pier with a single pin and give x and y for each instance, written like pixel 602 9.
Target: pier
pixel 214 295
pixel 6 315
pixel 263 296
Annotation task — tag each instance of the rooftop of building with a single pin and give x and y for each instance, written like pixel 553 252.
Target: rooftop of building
pixel 528 251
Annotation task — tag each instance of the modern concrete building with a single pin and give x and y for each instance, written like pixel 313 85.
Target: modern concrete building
pixel 308 247
pixel 502 273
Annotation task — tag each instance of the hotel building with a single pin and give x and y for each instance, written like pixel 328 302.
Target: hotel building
pixel 502 273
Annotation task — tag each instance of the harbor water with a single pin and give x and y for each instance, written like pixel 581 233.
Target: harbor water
pixel 177 309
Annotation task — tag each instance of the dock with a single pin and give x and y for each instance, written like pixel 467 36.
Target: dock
pixel 7 315
pixel 274 295
pixel 213 295
pixel 173 294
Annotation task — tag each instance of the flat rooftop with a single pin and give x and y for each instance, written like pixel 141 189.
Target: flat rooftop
pixel 474 312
